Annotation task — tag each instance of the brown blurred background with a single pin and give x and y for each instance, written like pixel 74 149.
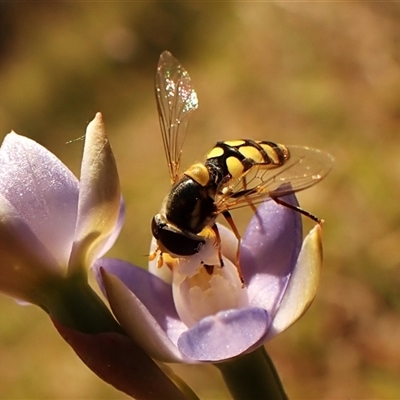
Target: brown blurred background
pixel 326 75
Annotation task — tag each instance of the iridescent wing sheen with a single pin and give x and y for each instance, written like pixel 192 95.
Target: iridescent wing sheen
pixel 303 169
pixel 176 99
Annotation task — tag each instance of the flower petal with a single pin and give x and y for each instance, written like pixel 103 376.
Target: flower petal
pixel 26 265
pixel 303 284
pixel 43 191
pixel 144 307
pixel 120 362
pixel 117 230
pixel 269 251
pixel 224 335
pixel 99 197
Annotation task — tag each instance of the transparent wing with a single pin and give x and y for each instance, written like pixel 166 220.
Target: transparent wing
pixel 303 169
pixel 176 99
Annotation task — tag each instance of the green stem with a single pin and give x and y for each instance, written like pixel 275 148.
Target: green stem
pixel 252 376
pixel 76 305
pixel 76 309
pixel 179 382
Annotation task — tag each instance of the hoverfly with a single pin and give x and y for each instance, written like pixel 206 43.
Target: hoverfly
pixel 235 173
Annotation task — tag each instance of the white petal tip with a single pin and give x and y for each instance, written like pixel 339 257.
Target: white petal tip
pixel 303 283
pixel 96 126
pixel 314 240
pixel 98 116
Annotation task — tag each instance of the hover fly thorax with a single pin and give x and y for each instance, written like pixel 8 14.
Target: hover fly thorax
pixel 190 206
pixel 187 210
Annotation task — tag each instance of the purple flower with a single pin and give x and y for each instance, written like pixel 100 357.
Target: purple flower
pixel 52 226
pixel 204 315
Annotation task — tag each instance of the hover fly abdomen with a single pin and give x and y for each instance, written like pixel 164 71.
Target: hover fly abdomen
pixel 233 158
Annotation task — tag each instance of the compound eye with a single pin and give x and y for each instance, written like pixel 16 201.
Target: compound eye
pixel 174 240
pixel 179 243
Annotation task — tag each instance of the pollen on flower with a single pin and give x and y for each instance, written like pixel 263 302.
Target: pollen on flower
pixel 205 294
pixel 169 261
pixel 210 296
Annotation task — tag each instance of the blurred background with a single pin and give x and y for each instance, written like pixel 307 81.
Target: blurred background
pixel 325 75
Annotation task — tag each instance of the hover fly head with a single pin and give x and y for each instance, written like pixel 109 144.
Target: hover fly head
pixel 174 241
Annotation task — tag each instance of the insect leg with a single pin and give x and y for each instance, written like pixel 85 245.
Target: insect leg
pixel 218 242
pixel 251 205
pixel 232 224
pixel 298 209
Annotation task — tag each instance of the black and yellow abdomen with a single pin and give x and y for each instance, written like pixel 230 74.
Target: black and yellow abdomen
pixel 231 159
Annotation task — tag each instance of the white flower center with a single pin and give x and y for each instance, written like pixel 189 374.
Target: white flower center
pixel 199 290
pixel 207 292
